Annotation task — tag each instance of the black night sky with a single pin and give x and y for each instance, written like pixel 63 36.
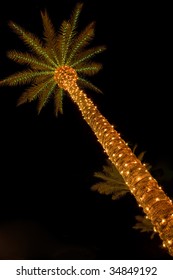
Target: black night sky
pixel 47 209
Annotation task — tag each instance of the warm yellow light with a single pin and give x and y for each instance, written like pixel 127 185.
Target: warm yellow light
pixel 146 190
pixel 163 221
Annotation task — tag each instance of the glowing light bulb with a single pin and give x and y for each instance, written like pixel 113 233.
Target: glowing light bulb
pixel 163 221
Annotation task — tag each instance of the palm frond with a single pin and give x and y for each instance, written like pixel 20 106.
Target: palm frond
pixel 111 182
pixel 44 95
pixel 83 83
pixel 116 190
pixel 23 77
pixel 89 70
pixel 144 225
pixel 26 58
pixel 50 37
pixel 58 97
pixel 62 39
pixel 81 41
pixel 86 55
pixel 34 91
pixel 140 156
pixel 70 31
pixel 32 41
pixel 74 16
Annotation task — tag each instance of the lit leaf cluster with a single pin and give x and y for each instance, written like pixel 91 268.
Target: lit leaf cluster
pixel 66 47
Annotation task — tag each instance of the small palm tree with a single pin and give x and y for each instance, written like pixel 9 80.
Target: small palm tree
pixel 58 65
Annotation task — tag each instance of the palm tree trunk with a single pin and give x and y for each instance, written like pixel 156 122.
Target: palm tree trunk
pixel 149 195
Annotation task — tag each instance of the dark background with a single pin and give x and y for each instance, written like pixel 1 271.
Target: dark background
pixel 47 209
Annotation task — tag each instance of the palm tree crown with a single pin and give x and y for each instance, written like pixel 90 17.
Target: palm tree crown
pixel 47 59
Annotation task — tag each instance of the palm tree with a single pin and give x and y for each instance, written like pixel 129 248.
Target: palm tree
pixel 59 64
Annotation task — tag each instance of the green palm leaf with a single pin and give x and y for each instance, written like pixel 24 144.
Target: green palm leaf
pixel 83 83
pixel 23 77
pixel 35 90
pixel 81 41
pixel 45 94
pixel 90 70
pixel 58 97
pixel 85 56
pixel 50 37
pixel 32 41
pixel 111 182
pixel 144 225
pixel 29 59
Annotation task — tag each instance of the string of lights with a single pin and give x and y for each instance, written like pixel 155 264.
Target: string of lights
pixel 157 206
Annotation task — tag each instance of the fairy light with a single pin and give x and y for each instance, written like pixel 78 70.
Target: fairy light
pixel 149 195
pixel 163 221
